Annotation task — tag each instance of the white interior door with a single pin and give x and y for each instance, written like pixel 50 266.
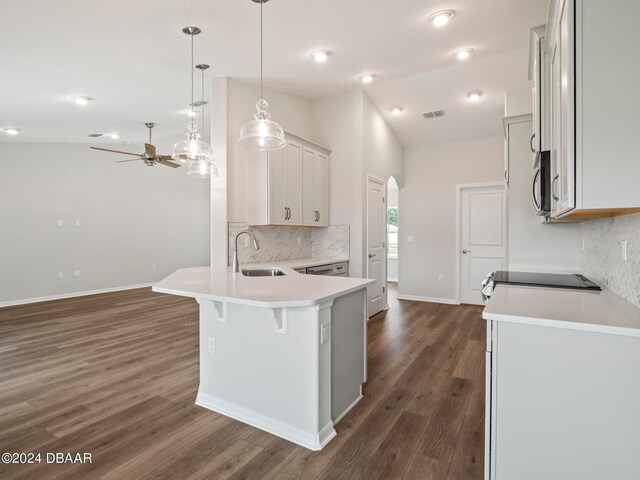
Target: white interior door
pixel 483 237
pixel 376 232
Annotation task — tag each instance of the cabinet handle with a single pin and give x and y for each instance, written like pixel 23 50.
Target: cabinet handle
pixel 533 150
pixel 553 188
pixel 318 215
pixel 287 213
pixel 534 198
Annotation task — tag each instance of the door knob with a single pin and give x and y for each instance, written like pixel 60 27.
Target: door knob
pixel 371 255
pixel 466 251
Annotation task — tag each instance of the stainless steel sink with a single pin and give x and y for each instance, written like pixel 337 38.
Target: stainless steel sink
pixel 262 272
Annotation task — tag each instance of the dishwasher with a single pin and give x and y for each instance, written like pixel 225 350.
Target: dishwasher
pixel 340 269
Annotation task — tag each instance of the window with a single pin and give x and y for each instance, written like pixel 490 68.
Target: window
pixel 392 232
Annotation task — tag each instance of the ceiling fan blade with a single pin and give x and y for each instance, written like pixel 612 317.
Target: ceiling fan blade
pixel 168 163
pixel 150 150
pixel 115 151
pixel 130 160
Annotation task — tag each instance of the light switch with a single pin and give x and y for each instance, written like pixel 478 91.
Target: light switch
pixel 409 238
pixel 60 223
pixel 211 346
pixel 60 275
pixel 77 223
pixel 76 273
pixel 324 333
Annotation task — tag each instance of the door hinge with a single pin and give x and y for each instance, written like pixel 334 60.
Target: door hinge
pixel 384 289
pixel 382 199
pixel 384 244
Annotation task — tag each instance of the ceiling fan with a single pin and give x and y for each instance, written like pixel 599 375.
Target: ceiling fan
pixel 149 156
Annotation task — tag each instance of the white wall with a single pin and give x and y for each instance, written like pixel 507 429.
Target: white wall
pixel 337 123
pixel 131 217
pixel 291 112
pixel 428 202
pixel 518 102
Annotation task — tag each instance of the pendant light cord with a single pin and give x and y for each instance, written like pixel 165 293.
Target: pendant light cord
pixel 261 48
pixel 192 79
pixel 202 106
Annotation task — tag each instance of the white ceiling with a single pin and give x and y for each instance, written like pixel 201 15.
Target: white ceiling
pixel 132 57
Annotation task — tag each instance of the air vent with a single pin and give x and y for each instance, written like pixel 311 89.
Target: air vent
pixel 433 114
pixel 96 135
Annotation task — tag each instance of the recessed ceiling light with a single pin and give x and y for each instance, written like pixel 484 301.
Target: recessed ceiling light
pixel 397 111
pixel 114 135
pixel 367 77
pixel 463 53
pixel 11 131
pixel 81 99
pixel 442 17
pixel 474 95
pixel 320 56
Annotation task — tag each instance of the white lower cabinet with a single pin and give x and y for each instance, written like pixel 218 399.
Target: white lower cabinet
pixel 289 186
pixel 561 404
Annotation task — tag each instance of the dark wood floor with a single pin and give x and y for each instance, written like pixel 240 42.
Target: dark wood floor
pixel 116 375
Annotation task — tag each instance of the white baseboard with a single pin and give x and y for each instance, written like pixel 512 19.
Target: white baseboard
pixel 312 441
pixel 418 298
pixel 348 409
pixel 60 296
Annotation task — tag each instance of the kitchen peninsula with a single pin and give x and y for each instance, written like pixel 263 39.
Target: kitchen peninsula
pixel 279 350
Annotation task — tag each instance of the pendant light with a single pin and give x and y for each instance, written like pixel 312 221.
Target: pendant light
pixel 202 168
pixel 191 149
pixel 261 133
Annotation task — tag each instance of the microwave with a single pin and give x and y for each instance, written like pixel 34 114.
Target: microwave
pixel 541 184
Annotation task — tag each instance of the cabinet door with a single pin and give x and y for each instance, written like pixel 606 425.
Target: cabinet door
pixel 308 201
pixel 563 115
pixel 321 189
pixel 277 187
pixel 567 171
pixel 293 188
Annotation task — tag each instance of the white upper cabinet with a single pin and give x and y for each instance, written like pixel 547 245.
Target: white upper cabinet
pixel 290 186
pixel 315 168
pixel 586 77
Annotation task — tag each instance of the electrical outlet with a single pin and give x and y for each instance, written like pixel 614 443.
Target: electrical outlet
pixel 440 277
pixel 583 245
pixel 60 275
pixel 60 223
pixel 211 345
pixel 625 256
pixel 324 333
pixel 76 273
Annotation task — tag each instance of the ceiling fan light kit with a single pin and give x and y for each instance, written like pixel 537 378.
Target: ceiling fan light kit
pixel 192 149
pixel 261 133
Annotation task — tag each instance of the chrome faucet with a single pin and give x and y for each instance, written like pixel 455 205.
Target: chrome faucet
pixel 236 265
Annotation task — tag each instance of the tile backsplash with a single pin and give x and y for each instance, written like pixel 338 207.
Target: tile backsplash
pixel 602 255
pixel 289 243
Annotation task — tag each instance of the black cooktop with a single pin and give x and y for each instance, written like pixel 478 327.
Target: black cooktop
pixel 552 280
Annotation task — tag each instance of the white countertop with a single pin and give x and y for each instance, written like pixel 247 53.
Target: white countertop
pixel 291 290
pixel 592 311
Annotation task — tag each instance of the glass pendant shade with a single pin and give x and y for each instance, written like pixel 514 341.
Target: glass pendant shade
pixel 261 133
pixel 202 169
pixel 191 149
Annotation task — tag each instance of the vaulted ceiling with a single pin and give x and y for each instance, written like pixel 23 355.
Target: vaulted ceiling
pixel 133 58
